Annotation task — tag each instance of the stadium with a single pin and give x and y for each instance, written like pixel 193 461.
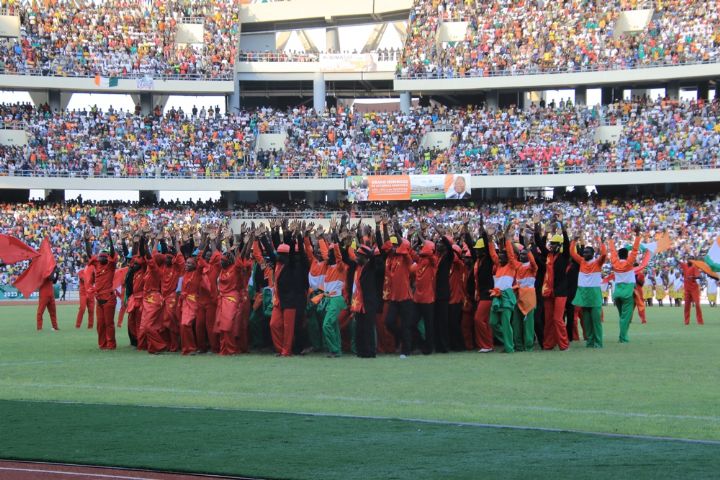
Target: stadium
pixel 400 239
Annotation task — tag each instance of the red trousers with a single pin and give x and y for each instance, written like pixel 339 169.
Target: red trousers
pixel 49 303
pixel 151 324
pixel 282 329
pixel 171 322
pixel 346 333
pixel 467 326
pixel 188 317
pixel 121 315
pixel 224 325
pixel 241 326
pixel 483 332
pixel 385 339
pixel 555 332
pixel 105 314
pixel 205 335
pixel 692 295
pixel 87 302
pixel 134 315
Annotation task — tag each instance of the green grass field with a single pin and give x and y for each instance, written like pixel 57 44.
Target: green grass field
pixel 61 399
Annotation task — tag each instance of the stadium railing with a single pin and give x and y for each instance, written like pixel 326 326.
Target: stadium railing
pixel 40 72
pixel 475 171
pixel 577 69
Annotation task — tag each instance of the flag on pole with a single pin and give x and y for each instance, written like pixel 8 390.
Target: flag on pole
pixel 712 259
pixel 14 250
pixel 40 268
pixel 661 243
pixel 705 268
pixel 106 82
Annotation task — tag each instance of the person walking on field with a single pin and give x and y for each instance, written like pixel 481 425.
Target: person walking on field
pixel 691 274
pixel 63 288
pixel 47 300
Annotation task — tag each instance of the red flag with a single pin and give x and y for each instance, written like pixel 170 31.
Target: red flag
pixel 40 269
pixel 119 277
pixel 13 250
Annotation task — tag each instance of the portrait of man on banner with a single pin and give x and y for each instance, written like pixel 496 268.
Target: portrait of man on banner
pixel 458 189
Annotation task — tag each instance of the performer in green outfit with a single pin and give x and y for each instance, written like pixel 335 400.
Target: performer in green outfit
pixel 589 291
pixel 623 264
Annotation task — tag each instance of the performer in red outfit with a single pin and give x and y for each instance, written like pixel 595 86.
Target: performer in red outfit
pixel 87 297
pixel 47 300
pixel 189 298
pixel 104 265
pixel 205 335
pixel 171 272
pixel 151 323
pixel 691 274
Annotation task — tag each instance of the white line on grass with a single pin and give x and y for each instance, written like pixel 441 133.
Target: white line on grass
pixel 214 393
pixel 73 474
pixel 422 420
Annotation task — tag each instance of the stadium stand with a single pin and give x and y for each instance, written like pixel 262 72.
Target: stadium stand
pixel 654 135
pixel 453 38
pixel 116 38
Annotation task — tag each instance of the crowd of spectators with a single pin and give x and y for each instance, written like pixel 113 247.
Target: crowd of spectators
pixel 383 55
pixel 121 38
pixel 692 222
pixel 542 139
pixel 511 37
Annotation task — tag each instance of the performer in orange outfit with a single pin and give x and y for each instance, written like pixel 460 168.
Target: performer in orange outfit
pixel 554 289
pixel 691 274
pixel 151 323
pixel 458 275
pixel 468 301
pixel 400 319
pixel 87 297
pixel 104 267
pixel 189 299
pixel 171 272
pixel 424 271
pixel 134 283
pixel 523 322
pixel 47 300
pixel 589 293
pixel 228 303
pixel 291 265
pixel 483 276
pixel 205 335
pixel 504 299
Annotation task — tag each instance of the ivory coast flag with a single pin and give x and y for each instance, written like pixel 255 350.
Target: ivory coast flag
pixel 712 259
pixel 660 244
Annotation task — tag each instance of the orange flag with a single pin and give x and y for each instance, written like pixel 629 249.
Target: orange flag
pixel 40 268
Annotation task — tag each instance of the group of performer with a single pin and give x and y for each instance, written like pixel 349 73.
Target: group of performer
pixel 297 288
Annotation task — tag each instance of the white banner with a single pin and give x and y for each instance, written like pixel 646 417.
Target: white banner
pixel 348 62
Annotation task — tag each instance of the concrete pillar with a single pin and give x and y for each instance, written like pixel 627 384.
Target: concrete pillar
pixel 611 95
pixel 319 92
pixel 639 92
pixel 521 100
pixel 332 39
pixel 39 98
pixel 405 102
pixel 672 91
pixel 54 100
pixel 232 101
pixel 581 96
pixel 149 197
pixel 492 99
pixel 57 196
pixel 703 90
pixel 146 103
pixel 717 88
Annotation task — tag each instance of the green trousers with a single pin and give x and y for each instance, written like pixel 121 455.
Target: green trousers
pixel 592 324
pixel 625 310
pixel 258 323
pixel 500 323
pixel 313 326
pixel 523 327
pixel 331 327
